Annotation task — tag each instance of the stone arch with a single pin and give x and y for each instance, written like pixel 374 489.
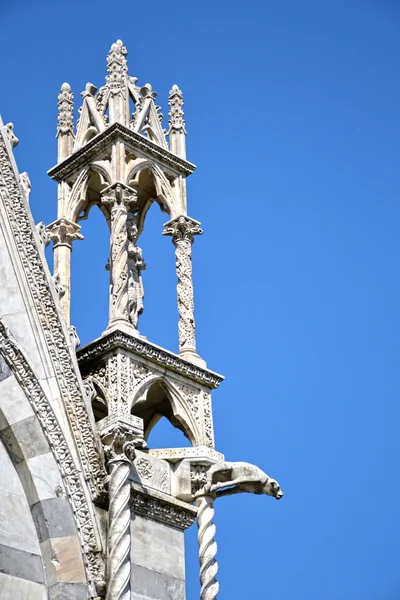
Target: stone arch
pixel 163 188
pixel 52 484
pixel 157 398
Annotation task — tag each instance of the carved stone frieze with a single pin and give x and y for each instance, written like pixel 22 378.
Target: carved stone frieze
pixel 91 353
pixel 118 376
pixel 196 453
pixel 162 508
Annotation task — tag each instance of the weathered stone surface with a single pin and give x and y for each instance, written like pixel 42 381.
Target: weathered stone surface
pixel 60 557
pixel 68 591
pixel 153 585
pixel 158 547
pixel 22 564
pixel 53 518
pixel 13 588
pixel 17 528
pixel 14 405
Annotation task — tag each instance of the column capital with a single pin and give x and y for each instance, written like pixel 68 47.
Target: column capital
pixel 119 194
pixel 63 232
pixel 120 435
pixel 182 228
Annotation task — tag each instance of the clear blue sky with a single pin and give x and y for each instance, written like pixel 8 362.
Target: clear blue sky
pixel 293 118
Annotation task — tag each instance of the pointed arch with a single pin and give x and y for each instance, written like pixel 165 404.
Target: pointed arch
pixel 163 188
pixel 151 404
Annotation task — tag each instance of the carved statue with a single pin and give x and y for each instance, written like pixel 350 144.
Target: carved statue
pixel 135 266
pixel 9 127
pixel 25 184
pixel 227 478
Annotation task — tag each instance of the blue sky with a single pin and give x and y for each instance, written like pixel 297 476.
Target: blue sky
pixel 292 113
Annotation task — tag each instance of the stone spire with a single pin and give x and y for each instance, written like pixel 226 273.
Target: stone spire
pixel 177 131
pixel 117 82
pixel 65 128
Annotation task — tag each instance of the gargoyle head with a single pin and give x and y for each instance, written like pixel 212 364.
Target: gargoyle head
pixel 272 488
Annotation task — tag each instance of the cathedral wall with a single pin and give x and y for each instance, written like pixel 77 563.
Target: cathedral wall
pixel 158 560
pixel 21 567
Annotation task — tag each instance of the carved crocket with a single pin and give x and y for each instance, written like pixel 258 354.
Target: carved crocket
pixel 226 478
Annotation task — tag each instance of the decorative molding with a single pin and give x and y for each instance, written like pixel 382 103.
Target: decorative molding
pixel 133 140
pixel 144 468
pixel 193 452
pixel 172 513
pixel 145 349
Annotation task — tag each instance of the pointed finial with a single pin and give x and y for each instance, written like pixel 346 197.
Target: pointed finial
pixel 175 100
pixel 65 110
pixel 116 66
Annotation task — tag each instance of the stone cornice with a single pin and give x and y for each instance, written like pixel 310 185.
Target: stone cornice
pixel 132 139
pixel 141 347
pixel 161 507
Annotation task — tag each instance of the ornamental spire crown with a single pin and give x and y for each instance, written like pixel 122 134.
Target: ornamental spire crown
pixel 121 159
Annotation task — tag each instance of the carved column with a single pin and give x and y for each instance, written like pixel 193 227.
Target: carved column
pixel 119 199
pixel 119 448
pixel 183 229
pixel 62 233
pixel 207 547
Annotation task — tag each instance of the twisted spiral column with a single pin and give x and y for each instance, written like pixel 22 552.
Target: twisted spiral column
pixel 119 536
pixel 119 450
pixel 119 264
pixel 207 548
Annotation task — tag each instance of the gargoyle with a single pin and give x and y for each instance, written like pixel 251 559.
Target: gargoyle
pixel 226 478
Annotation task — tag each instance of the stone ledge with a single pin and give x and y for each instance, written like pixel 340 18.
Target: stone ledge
pixel 135 140
pixel 193 452
pixel 161 507
pixel 119 339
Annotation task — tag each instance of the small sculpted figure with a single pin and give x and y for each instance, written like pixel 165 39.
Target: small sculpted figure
pixel 9 127
pixel 135 266
pixel 25 184
pixel 226 478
